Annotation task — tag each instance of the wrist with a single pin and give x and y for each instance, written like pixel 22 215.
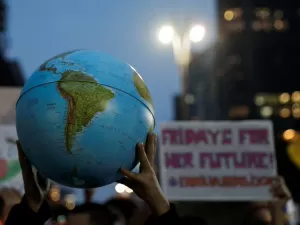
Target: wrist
pixel 32 205
pixel 159 206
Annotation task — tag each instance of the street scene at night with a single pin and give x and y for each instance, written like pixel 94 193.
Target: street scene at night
pixel 150 112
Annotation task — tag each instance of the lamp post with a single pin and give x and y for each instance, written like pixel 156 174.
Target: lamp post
pixel 181 44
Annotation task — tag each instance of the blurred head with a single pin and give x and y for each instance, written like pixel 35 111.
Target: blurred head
pixel 59 214
pixel 123 208
pixel 8 198
pixel 2 216
pixel 91 214
pixel 258 216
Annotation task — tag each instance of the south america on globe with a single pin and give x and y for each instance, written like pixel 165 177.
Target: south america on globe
pixel 80 116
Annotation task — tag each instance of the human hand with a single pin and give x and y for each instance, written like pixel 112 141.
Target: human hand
pixel 36 187
pixel 145 183
pixel 280 191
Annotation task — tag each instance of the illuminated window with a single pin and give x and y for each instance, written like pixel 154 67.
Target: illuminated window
pixel 189 99
pixel 238 12
pixel 233 14
pixel 236 25
pixel 280 25
pixel 266 25
pixel 256 25
pixel 259 100
pixel 266 111
pixel 289 134
pixel 285 113
pixel 262 13
pixel 296 96
pixel 278 14
pixel 284 98
pixel 296 111
pixel 229 15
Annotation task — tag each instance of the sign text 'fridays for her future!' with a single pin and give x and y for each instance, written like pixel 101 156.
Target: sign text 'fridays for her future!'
pixel 219 160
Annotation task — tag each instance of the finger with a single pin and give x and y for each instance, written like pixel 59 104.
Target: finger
pixel 26 167
pixel 281 180
pixel 150 148
pixel 131 175
pixel 144 163
pixel 42 182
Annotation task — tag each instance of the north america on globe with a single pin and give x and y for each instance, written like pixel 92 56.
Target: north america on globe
pixel 85 99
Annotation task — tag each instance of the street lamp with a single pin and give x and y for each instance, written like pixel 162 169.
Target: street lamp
pixel 181 44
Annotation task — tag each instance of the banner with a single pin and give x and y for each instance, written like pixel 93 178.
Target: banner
pixel 228 161
pixel 8 99
pixel 10 170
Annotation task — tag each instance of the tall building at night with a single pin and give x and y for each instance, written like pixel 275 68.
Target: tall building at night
pixel 252 71
pixel 256 68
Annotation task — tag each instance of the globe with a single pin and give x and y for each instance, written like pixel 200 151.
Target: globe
pixel 80 116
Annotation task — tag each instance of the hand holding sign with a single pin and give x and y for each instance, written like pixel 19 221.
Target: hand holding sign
pixel 280 191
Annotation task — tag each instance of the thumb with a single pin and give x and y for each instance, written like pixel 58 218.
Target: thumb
pixel 43 182
pixel 131 175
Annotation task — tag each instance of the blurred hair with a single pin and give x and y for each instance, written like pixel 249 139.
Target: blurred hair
pixel 253 217
pixel 58 210
pixel 125 206
pixel 2 204
pixel 98 214
pixel 193 220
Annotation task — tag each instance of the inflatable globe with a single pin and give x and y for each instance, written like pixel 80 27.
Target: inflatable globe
pixel 80 116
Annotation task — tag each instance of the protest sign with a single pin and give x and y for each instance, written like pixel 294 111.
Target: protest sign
pixel 8 99
pixel 229 161
pixel 10 170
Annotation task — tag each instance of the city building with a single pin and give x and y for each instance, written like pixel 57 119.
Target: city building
pixel 256 69
pixel 201 87
pixel 251 72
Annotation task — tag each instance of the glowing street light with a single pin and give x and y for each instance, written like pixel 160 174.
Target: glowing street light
pixel 181 44
pixel 289 134
pixel 197 33
pixel 166 34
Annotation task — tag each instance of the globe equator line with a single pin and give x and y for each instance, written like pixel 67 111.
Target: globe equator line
pixel 86 82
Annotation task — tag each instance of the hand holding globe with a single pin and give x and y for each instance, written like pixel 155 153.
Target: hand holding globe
pixel 145 183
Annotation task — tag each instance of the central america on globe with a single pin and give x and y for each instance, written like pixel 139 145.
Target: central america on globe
pixel 80 116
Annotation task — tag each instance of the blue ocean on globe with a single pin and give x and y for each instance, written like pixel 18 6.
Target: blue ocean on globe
pixel 80 116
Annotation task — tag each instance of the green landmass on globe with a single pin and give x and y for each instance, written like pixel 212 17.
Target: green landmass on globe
pixel 52 68
pixel 142 88
pixel 143 92
pixel 85 99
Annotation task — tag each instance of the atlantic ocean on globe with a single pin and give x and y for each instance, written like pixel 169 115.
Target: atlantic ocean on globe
pixel 80 116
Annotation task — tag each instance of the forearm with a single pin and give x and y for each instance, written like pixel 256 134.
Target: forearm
pixel 22 213
pixel 169 218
